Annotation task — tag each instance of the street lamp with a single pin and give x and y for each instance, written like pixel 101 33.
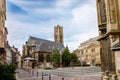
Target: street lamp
pixel 60 58
pixel 81 56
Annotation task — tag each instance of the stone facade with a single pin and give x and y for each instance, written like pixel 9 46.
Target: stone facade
pixel 15 56
pixel 89 52
pixel 36 52
pixel 8 55
pixel 109 35
pixel 58 34
pixel 3 31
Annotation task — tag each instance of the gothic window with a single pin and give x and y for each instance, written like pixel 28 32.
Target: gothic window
pixel 102 11
pixel 47 58
pixel 41 57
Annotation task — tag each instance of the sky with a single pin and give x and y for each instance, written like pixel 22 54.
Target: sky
pixel 38 17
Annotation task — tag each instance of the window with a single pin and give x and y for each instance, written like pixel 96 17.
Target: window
pixel 93 50
pixel 41 57
pixel 47 58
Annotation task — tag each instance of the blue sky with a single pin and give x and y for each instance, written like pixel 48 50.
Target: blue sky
pixel 38 17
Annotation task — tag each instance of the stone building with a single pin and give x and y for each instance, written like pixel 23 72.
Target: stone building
pixel 3 31
pixel 89 52
pixel 109 37
pixel 15 55
pixel 58 34
pixel 37 51
pixel 8 54
pixel 18 59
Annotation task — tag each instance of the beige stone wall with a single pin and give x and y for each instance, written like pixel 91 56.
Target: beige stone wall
pixel 3 32
pixel 92 53
pixel 117 62
pixel 58 34
pixel 89 50
pixel 109 32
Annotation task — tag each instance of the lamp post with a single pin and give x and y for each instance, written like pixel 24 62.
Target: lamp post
pixel 81 56
pixel 60 58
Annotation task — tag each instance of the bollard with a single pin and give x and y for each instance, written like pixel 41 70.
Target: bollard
pixel 62 78
pixel 37 73
pixel 49 77
pixel 32 72
pixel 42 76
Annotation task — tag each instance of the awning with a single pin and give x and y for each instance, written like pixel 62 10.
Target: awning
pixel 116 47
pixel 29 58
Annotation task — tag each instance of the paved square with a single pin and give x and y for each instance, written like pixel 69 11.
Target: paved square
pixel 78 73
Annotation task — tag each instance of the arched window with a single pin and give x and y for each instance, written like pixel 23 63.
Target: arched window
pixel 41 57
pixel 47 58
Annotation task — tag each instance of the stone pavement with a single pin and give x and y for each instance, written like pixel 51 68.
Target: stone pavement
pixel 24 75
pixel 85 73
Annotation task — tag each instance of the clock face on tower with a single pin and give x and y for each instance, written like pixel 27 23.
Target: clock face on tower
pixel 102 11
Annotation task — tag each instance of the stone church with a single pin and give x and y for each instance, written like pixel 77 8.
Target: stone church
pixel 109 36
pixel 36 51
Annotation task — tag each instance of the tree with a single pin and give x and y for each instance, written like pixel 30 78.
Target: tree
pixel 55 57
pixel 7 72
pixel 74 59
pixel 66 57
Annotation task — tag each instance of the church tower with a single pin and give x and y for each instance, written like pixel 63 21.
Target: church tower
pixel 58 34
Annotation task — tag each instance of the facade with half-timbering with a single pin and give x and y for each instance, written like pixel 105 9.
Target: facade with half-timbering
pixel 109 37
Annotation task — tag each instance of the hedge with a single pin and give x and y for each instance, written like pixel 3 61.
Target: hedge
pixel 7 72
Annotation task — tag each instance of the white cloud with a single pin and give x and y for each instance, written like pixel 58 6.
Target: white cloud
pixel 62 4
pixel 80 22
pixel 83 14
pixel 74 41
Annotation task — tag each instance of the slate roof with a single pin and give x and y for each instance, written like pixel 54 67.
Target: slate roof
pixel 43 45
pixel 116 46
pixel 91 39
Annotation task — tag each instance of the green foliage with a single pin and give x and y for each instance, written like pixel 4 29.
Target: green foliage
pixel 98 65
pixel 69 59
pixel 49 68
pixel 7 72
pixel 74 58
pixel 66 57
pixel 55 57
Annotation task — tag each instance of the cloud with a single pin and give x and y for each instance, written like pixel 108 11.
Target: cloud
pixel 38 18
